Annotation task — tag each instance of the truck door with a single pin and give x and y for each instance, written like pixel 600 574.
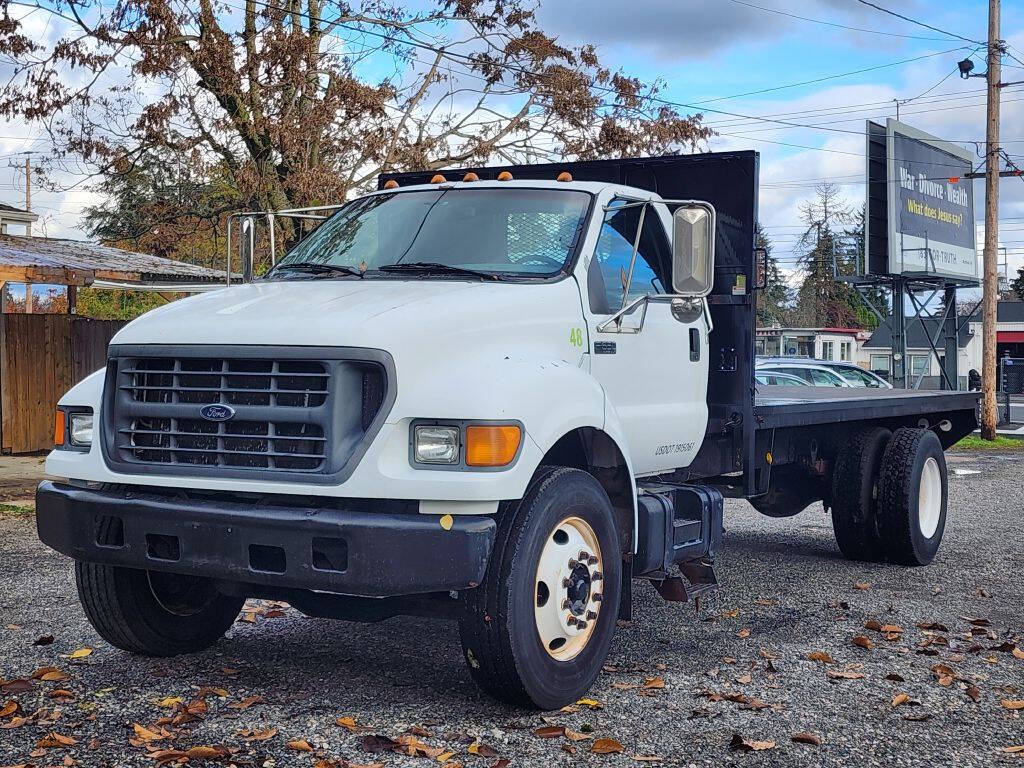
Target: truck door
pixel 656 378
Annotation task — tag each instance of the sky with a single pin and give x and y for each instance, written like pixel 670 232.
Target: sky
pixel 840 64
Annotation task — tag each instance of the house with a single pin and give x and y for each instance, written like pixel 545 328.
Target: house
pixel 840 344
pixel 11 215
pixel 877 351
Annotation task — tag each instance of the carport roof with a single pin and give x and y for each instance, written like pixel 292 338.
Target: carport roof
pixel 77 262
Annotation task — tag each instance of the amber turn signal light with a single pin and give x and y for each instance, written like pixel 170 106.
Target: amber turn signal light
pixel 58 428
pixel 492 445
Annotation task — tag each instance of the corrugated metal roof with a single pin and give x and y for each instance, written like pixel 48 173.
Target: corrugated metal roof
pixel 46 254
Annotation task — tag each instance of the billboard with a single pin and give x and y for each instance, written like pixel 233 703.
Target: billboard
pixel 920 205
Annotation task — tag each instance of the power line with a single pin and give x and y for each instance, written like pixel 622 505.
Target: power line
pixel 920 23
pixel 835 24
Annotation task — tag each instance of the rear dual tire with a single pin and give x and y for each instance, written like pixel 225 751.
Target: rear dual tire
pixel 889 496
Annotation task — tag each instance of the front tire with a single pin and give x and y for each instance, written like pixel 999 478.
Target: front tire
pixel 912 496
pixel 533 633
pixel 151 612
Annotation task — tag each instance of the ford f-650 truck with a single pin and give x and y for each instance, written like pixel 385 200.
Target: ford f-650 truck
pixel 499 395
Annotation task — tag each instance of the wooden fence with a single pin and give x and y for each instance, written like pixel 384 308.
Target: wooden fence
pixel 41 358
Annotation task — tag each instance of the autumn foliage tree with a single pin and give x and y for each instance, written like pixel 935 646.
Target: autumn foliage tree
pixel 273 104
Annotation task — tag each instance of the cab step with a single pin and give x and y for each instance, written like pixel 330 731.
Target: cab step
pixel 678 525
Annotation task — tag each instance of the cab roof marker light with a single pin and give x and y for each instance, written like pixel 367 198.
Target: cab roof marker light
pixel 390 184
pixel 564 176
pixel 471 177
pixel 438 179
pixel 504 176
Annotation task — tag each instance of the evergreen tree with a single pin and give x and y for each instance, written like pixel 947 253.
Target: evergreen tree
pixel 823 301
pixel 773 300
pixel 1017 284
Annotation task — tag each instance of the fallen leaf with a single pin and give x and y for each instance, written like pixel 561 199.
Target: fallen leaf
pixel 821 656
pixel 863 641
pixel 843 674
pixel 747 745
pixel 606 747
pixel 61 693
pixel 146 734
pixel 874 626
pixel 807 738
pixel 918 718
pixel 624 686
pixel 900 698
pixel 590 703
pixel 743 633
pixel 170 702
pixel 206 753
pixel 376 743
pixel 933 626
pixel 973 692
pixel 206 690
pixel 550 732
pixel 1018 653
pixel 572 735
pixel 259 735
pixel 347 722
pixel 300 745
pixel 81 653
pixel 1015 750
pixel 16 686
pixel 1010 704
pixel 744 679
pixel 53 676
pixel 246 702
pixel 43 640
pixel 476 748
pixel 863 586
pixel 9 709
pixel 653 682
pixel 230 672
pixel 54 740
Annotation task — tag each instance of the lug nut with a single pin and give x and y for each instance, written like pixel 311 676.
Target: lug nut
pixel 566 582
pixel 565 604
pixel 596 576
pixel 572 564
pixel 581 624
pixel 571 621
pixel 584 555
pixel 591 615
pixel 597 598
pixel 591 560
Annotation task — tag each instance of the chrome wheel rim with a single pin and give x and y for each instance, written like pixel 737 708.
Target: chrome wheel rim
pixel 929 498
pixel 568 588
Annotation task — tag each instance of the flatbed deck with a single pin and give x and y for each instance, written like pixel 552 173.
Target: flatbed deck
pixel 776 407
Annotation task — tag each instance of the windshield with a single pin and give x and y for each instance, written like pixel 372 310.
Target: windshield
pixel 515 232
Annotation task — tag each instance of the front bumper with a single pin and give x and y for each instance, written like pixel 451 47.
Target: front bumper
pixel 371 554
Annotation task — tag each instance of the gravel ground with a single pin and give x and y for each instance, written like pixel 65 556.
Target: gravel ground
pixel 738 665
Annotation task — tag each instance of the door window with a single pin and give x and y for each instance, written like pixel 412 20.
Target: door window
pixel 609 269
pixel 822 378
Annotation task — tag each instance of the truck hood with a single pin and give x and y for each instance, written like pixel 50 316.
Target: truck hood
pixel 378 313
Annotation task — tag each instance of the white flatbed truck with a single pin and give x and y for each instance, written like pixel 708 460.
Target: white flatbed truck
pixel 498 395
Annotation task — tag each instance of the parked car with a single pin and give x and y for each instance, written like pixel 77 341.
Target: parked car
pixel 811 373
pixel 853 373
pixel 778 379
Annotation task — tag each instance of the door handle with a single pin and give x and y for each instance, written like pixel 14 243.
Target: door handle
pixel 694 345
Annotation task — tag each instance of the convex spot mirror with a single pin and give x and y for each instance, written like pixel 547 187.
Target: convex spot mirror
pixel 693 249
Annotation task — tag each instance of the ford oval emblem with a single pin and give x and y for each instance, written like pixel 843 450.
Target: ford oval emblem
pixel 217 412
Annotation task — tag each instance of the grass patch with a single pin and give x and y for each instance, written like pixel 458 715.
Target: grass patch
pixel 15 509
pixel 975 443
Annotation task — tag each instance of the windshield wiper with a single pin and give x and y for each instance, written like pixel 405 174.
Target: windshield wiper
pixel 319 268
pixel 428 267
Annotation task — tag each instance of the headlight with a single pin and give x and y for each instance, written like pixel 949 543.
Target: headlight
pixel 80 429
pixel 436 445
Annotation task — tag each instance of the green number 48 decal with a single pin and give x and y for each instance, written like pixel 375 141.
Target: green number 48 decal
pixel 576 337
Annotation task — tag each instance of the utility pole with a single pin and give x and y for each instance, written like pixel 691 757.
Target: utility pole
pixel 28 193
pixel 990 288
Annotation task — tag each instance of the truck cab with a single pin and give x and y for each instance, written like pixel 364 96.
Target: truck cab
pixel 495 396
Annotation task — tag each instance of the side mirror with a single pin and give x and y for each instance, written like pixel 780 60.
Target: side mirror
pixel 693 249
